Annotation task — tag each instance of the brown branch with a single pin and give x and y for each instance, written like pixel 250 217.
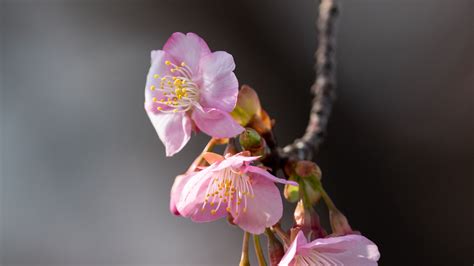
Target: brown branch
pixel 323 89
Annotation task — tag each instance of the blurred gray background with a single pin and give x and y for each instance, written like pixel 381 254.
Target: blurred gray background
pixel 84 179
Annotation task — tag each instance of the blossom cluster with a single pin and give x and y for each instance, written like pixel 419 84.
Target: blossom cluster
pixel 190 88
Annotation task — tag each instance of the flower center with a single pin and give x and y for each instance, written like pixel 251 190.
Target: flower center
pixel 177 93
pixel 231 189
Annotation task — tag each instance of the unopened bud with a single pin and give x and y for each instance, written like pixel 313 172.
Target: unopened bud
pixel 312 194
pixel 307 219
pixel 339 223
pixel 307 169
pixel 248 105
pixel 291 193
pixel 250 139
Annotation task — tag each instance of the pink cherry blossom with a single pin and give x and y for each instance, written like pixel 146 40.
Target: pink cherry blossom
pixel 230 186
pixel 189 87
pixel 342 250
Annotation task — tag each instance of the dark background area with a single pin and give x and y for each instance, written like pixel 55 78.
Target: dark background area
pixel 84 179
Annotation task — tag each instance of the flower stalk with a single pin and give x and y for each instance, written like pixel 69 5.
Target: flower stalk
pixel 244 259
pixel 281 234
pixel 259 251
pixel 275 248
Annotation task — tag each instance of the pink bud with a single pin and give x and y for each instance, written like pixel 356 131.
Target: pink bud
pixel 307 219
pixel 307 169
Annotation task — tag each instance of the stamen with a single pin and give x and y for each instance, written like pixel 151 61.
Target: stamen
pixel 231 189
pixel 182 93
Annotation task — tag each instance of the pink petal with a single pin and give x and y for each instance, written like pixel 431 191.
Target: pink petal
pixel 216 123
pixel 174 130
pixel 157 67
pixel 235 161
pixel 264 210
pixel 178 185
pixel 293 249
pixel 219 87
pixel 211 157
pixel 192 196
pixel 187 48
pixel 264 173
pixel 349 249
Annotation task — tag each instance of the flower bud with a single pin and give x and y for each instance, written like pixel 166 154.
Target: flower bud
pixel 291 193
pixel 312 194
pixel 248 105
pixel 250 139
pixel 339 223
pixel 308 168
pixel 307 219
pixel 310 176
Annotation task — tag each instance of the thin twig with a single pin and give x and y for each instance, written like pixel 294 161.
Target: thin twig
pixel 244 260
pixel 323 89
pixel 259 251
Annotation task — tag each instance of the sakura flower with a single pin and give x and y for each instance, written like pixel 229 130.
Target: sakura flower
pixel 230 186
pixel 189 87
pixel 343 250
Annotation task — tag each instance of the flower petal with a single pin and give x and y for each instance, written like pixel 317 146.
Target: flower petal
pixel 264 210
pixel 158 57
pixel 216 123
pixel 219 87
pixel 235 161
pixel 212 157
pixel 191 201
pixel 174 130
pixel 293 249
pixel 349 249
pixel 264 173
pixel 178 185
pixel 187 48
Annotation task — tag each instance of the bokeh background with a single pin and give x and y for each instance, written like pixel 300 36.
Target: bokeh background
pixel 84 179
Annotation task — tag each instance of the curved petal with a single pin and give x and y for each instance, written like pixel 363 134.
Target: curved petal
pixel 219 85
pixel 174 130
pixel 216 123
pixel 264 210
pixel 212 157
pixel 178 185
pixel 348 250
pixel 265 174
pixel 157 69
pixel 191 201
pixel 293 249
pixel 187 48
pixel 235 161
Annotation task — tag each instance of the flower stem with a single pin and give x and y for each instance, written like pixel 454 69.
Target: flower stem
pixel 327 199
pixel 244 259
pixel 275 248
pixel 281 234
pixel 259 251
